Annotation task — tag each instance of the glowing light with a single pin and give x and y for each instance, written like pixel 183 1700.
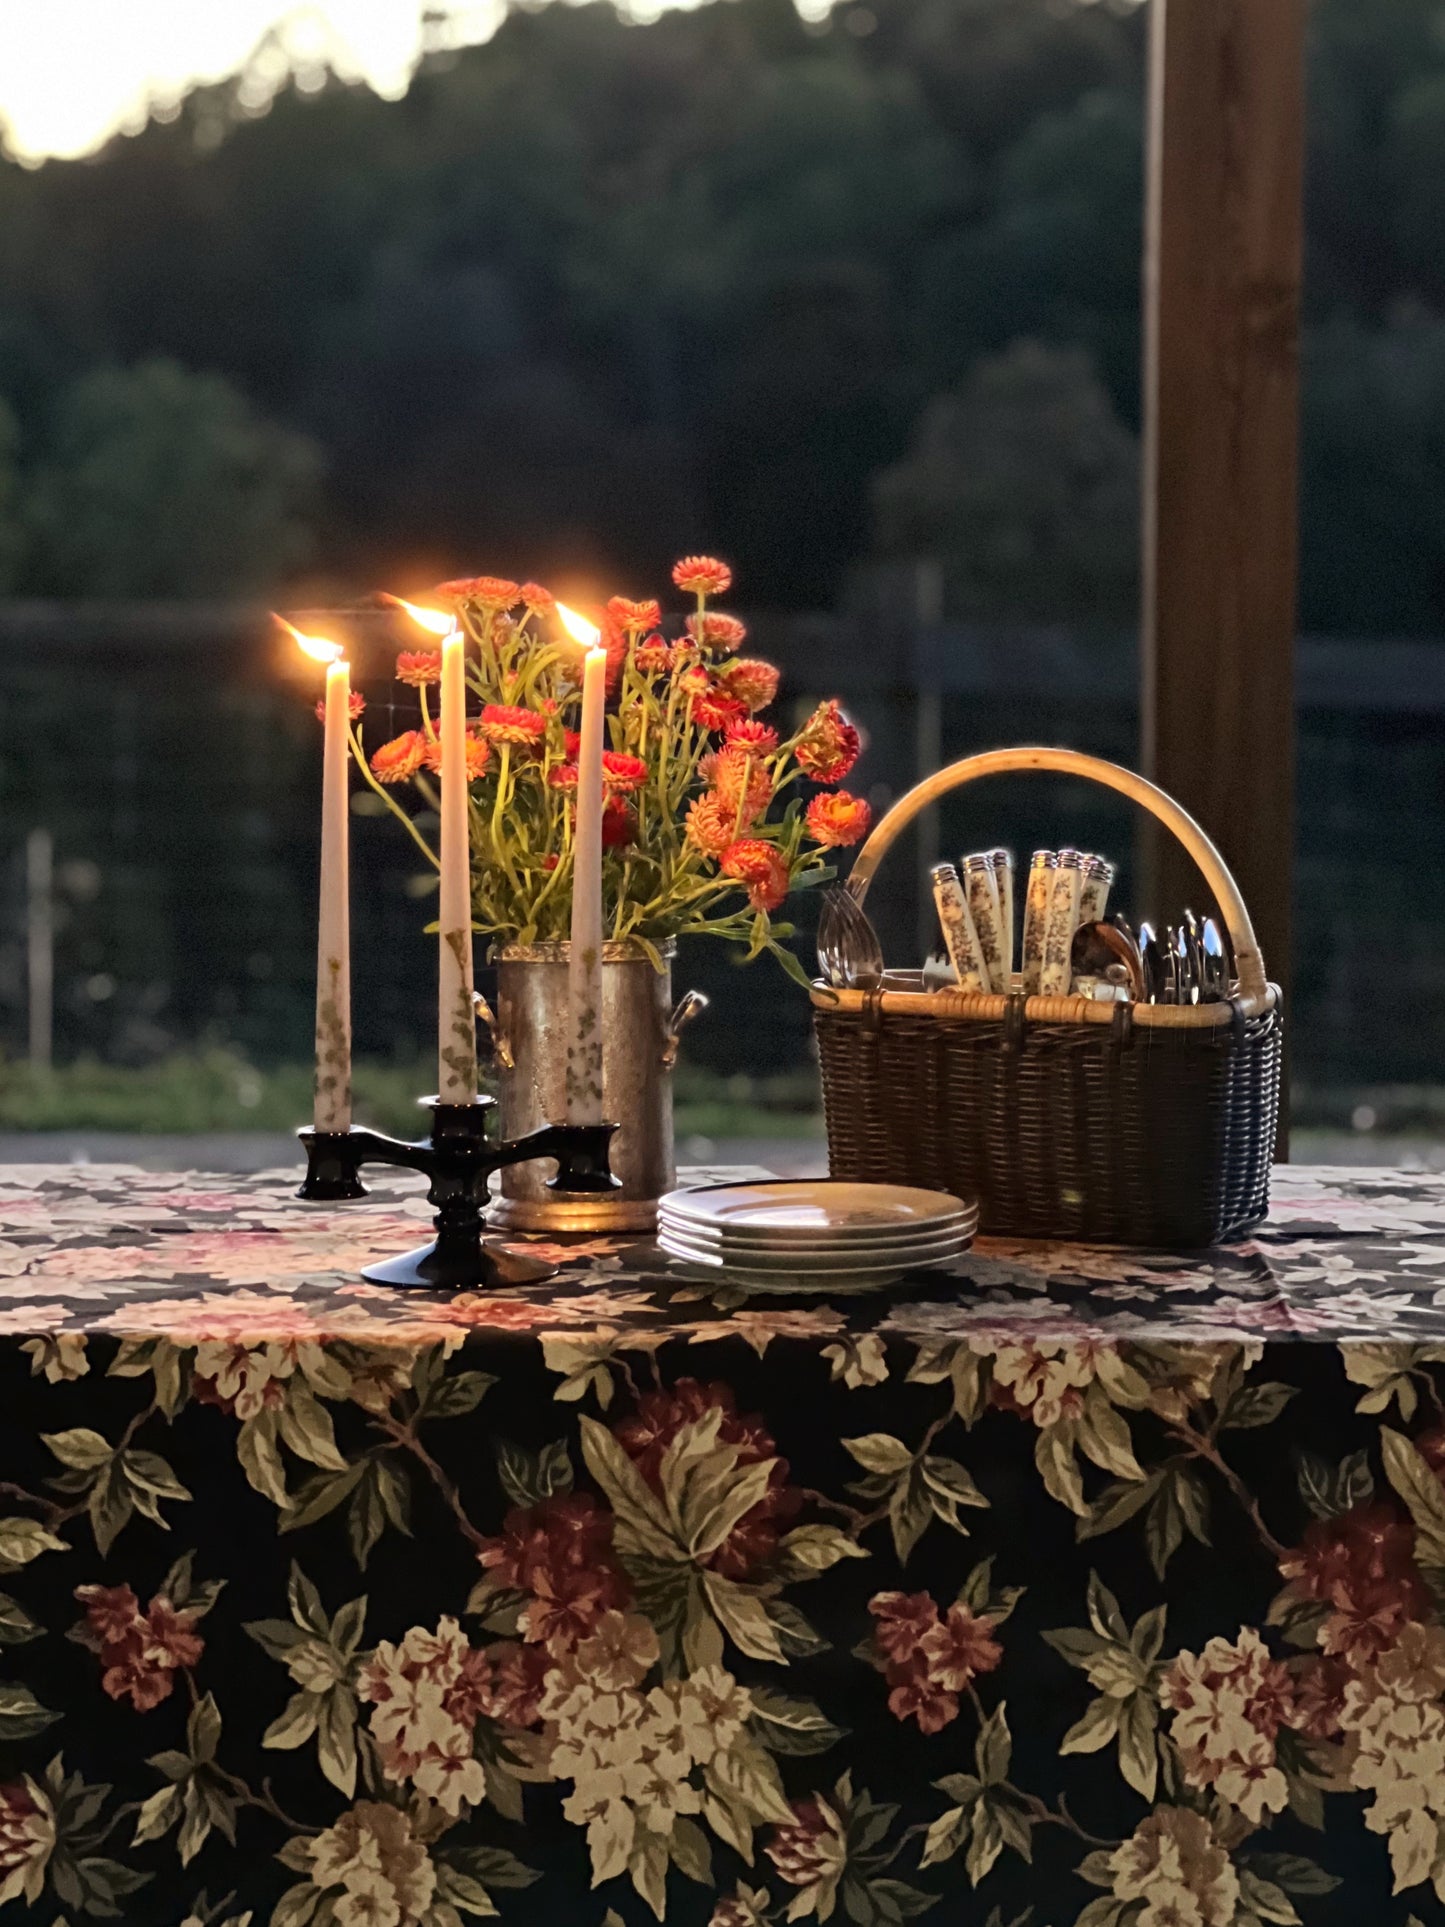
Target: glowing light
pixel 317 647
pixel 432 620
pixel 578 627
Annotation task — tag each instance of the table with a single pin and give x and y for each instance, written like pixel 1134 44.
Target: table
pixel 1105 1584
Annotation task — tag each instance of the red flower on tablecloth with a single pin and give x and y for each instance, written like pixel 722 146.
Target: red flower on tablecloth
pixel 835 819
pixel 929 1660
pixel 717 634
pixel 762 867
pixel 511 723
pixel 355 706
pixel 140 1651
pixel 479 753
pixel 652 656
pixel 660 1416
pixel 400 759
pixel 622 773
pixel 1361 1563
pixel 829 745
pixel 702 575
pixel 419 666
pixel 813 1851
pixel 636 616
pixel 1229 1703
pixel 559 1553
pixel 27 1839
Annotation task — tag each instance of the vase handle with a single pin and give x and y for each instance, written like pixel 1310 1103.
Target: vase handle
pixel 692 1004
pixel 501 1049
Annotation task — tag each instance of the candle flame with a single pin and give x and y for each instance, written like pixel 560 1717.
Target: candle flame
pixel 317 647
pixel 578 627
pixel 432 620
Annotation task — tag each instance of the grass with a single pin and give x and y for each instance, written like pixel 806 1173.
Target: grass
pixel 218 1090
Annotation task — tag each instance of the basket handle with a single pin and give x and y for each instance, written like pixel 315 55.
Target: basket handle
pixel 1253 985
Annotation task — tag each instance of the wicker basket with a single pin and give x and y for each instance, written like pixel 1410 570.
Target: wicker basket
pixel 1119 1124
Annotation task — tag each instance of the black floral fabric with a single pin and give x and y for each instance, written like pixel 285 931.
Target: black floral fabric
pixel 1070 1587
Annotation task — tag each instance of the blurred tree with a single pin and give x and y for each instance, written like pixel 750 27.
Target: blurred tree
pixel 1024 485
pixel 158 482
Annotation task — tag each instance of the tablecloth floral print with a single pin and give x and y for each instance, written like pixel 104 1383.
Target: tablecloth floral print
pixel 1076 1588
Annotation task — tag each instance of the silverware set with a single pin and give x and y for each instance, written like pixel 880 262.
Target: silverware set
pixel 1187 965
pixel 850 956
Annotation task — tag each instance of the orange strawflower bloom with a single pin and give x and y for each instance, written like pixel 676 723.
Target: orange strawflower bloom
pixel 621 772
pixel 563 776
pixel 756 738
pixel 619 821
pixel 710 824
pixel 684 652
pixel 418 666
pixel 400 759
pixel 651 656
pixel 636 616
pixel 752 681
pixel 538 598
pixel 761 867
pixel 479 753
pixel 718 634
pixel 740 780
pixel 829 745
pixel 835 818
pixel 355 704
pixel 510 723
pixel 702 575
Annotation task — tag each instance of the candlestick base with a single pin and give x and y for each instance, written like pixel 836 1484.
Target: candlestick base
pixel 459 1161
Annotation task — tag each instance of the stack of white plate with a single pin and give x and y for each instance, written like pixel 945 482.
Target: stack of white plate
pixel 814 1234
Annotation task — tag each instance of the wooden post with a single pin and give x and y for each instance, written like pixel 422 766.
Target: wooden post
pixel 1221 320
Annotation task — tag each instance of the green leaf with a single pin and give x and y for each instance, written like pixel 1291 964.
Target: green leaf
pixel 994 1748
pixel 1294 1873
pixel 82 1449
pixel 642 1524
pixel 1138 1761
pixel 747 1776
pixel 21 1714
pixel 110 1505
pixel 1410 1474
pixel 22 1540
pixel 305 1602
pixel 1254 1405
pixel 1095 1729
pixel 16 1625
pixel 1266 1899
pixel 203 1728
pixel 493 1866
pixel 259 1453
pixel 814 1548
pixel 1163 1527
pixel 690 1851
pixel 305 1425
pixel 457 1395
pixel 1116 1504
pixel 744 1617
pixel 879 1452
pixel 529 1477
pixel 1057 1466
pixel 910 1508
pixel 157 1816
pixel 1104 1614
pixel 985 1841
pixel 946 1835
pixel 296 1906
pixel 295 1723
pixel 320 1494
pixel 792 1726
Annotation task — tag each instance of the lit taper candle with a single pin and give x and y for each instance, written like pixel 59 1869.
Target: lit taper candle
pixel 456 1010
pixel 584 982
pixel 331 1108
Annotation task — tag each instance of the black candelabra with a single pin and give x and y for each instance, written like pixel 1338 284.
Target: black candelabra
pixel 459 1159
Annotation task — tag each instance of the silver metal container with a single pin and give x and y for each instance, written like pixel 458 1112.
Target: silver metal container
pixel 641 1029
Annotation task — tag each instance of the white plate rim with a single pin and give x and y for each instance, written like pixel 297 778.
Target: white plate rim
pixel 682 1203
pixel 823 1248
pixel 892 1267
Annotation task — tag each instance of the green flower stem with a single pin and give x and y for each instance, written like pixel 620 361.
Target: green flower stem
pixel 391 803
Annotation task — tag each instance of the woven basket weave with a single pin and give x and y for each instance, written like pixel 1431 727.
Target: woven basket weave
pixel 1119 1124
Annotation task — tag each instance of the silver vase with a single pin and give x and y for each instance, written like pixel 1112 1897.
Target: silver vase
pixel 641 1029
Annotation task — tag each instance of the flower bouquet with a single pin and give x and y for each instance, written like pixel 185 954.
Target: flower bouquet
pixel 706 828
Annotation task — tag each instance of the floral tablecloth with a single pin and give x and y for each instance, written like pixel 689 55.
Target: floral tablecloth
pixel 1071 1588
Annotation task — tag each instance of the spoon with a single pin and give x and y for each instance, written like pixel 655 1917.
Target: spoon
pixel 1152 957
pixel 1216 964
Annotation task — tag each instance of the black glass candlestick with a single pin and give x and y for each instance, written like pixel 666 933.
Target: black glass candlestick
pixel 459 1159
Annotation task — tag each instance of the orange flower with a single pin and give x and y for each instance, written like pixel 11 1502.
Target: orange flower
pixel 708 702
pixel 621 772
pixel 718 634
pixel 760 866
pixel 756 738
pixel 829 745
pixel 740 780
pixel 355 704
pixel 563 776
pixel 418 666
pixel 835 818
pixel 479 753
pixel 710 824
pixel 538 598
pixel 509 723
pixel 752 681
pixel 684 651
pixel 635 616
pixel 492 591
pixel 651 656
pixel 702 575
pixel 618 824
pixel 399 759
pixel 572 743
